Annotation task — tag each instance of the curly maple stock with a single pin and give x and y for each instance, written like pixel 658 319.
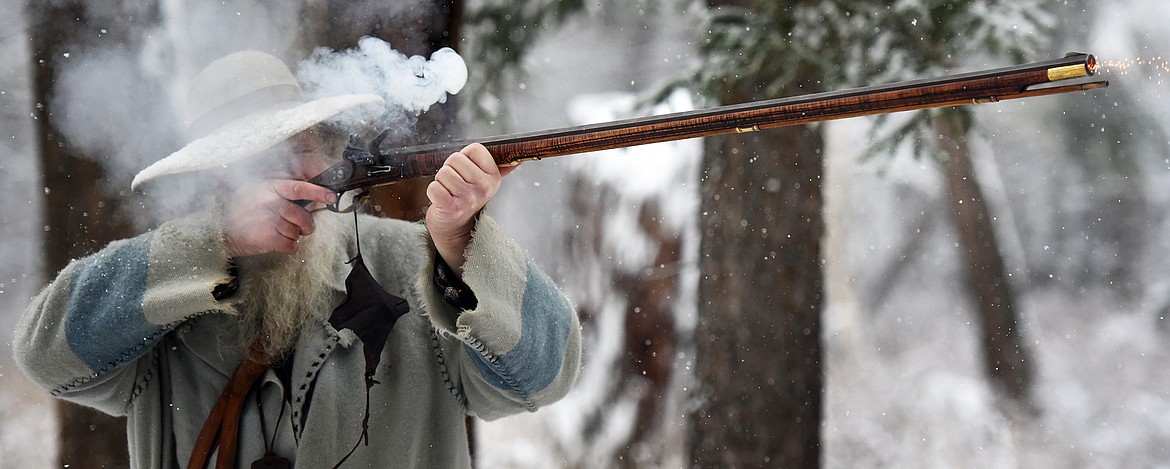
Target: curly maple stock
pixel 1021 81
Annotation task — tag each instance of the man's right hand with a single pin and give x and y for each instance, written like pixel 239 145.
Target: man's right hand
pixel 263 218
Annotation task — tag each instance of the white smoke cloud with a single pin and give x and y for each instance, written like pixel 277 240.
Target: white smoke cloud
pixel 106 107
pixel 121 105
pixel 411 84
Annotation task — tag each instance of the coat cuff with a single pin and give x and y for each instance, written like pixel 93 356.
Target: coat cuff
pixel 189 271
pixel 495 270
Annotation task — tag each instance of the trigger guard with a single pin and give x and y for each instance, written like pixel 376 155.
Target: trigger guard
pixel 354 198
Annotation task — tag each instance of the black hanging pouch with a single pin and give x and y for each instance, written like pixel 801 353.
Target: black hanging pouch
pixel 370 313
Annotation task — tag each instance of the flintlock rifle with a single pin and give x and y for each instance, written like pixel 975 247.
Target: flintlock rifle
pixel 366 168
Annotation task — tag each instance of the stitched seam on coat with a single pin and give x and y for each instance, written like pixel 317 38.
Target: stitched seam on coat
pixel 310 376
pixel 446 374
pixel 147 341
pixel 145 381
pixel 499 368
pixel 111 365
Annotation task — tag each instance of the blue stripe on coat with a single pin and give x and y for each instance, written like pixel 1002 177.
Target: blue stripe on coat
pixel 535 361
pixel 105 306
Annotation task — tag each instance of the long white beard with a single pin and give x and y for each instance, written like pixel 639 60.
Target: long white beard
pixel 285 293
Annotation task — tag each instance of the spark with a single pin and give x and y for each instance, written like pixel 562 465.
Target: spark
pixel 1155 68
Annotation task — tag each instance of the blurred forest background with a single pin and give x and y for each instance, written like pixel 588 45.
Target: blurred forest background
pixel 975 287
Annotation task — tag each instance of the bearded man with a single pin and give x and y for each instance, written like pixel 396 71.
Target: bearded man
pixel 263 330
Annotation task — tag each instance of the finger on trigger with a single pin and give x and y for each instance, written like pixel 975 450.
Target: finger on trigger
pixel 301 190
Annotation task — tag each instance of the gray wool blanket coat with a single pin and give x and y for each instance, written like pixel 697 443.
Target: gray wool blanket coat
pixel 134 330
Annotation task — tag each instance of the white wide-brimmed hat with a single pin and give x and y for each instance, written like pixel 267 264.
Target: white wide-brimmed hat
pixel 240 106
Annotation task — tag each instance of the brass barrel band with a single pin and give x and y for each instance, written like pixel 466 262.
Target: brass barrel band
pixel 1067 72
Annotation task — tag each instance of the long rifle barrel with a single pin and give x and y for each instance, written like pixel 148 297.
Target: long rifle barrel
pixel 364 169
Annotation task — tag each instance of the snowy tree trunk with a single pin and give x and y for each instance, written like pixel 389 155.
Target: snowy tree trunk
pixel 758 339
pixel 759 367
pixel 80 215
pixel 1005 354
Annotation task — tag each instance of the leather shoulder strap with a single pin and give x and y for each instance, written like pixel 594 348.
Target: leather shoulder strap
pixel 222 426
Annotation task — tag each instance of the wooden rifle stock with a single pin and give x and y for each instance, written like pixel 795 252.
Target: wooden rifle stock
pixel 362 168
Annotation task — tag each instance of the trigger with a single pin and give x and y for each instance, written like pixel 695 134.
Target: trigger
pixel 348 201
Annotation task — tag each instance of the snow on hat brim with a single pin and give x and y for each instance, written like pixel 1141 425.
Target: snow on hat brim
pixel 251 135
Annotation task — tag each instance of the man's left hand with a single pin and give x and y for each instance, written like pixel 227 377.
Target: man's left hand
pixel 466 182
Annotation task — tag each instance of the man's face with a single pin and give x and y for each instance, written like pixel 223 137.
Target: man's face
pixel 305 156
pixel 299 158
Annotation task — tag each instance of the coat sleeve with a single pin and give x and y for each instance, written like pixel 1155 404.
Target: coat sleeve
pixel 83 336
pixel 520 347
